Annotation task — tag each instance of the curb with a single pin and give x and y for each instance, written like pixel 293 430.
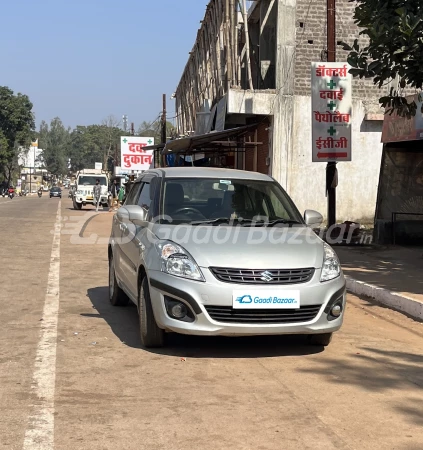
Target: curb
pixel 399 302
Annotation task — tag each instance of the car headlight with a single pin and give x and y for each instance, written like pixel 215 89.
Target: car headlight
pixel 331 266
pixel 177 261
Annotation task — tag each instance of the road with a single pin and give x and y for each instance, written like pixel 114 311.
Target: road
pixel 73 375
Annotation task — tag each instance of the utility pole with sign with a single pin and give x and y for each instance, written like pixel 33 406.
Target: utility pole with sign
pixel 331 113
pixel 331 170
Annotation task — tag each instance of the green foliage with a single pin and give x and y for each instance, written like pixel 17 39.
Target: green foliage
pixel 94 143
pixel 54 140
pixel 83 146
pixel 153 129
pixel 16 128
pixel 394 50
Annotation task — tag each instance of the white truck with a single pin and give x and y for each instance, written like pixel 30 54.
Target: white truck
pixel 85 182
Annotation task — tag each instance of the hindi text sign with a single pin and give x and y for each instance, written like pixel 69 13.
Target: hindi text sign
pixel 132 153
pixel 331 111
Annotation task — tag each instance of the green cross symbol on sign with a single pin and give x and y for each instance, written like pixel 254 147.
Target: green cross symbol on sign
pixel 125 140
pixel 332 131
pixel 331 105
pixel 150 141
pixel 331 84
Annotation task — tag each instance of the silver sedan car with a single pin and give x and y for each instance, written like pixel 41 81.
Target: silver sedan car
pixel 205 251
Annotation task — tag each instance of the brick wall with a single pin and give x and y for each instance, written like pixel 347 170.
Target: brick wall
pixel 311 41
pixel 262 149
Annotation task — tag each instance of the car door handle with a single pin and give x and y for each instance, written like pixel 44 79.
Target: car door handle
pixel 123 227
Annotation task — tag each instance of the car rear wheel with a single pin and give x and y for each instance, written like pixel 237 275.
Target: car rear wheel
pixel 320 339
pixel 151 334
pixel 116 295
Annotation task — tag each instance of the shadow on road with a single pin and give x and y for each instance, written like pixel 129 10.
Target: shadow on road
pixel 376 370
pixel 124 324
pixel 394 268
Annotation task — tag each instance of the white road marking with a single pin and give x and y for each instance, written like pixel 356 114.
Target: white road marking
pixel 39 434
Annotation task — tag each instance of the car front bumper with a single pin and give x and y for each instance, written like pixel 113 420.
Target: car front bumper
pixel 199 295
pixel 103 200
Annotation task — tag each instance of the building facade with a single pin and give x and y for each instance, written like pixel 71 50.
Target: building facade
pixel 253 65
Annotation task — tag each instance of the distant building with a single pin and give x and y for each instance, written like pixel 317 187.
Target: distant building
pixel 31 165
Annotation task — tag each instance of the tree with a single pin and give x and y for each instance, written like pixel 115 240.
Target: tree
pixel 393 50
pixel 153 129
pixel 54 140
pixel 112 134
pixel 94 143
pixel 16 127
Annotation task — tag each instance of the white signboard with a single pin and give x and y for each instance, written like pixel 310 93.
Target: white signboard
pixel 98 166
pixel 133 157
pixel 331 111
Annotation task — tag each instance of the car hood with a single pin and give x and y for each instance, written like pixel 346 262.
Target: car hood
pixel 248 247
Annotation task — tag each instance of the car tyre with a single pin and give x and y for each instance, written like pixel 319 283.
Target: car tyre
pixel 151 335
pixel 323 339
pixel 77 206
pixel 116 295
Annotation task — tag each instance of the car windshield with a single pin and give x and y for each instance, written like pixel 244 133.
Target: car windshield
pixel 55 189
pixel 91 180
pixel 199 201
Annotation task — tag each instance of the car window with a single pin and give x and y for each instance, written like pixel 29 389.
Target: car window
pixel 144 199
pixel 188 200
pixel 86 180
pixel 132 195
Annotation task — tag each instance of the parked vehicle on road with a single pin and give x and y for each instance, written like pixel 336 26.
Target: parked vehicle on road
pixel 222 252
pixel 55 192
pixel 85 182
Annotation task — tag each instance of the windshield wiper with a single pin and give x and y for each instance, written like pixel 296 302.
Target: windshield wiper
pixel 271 223
pixel 285 221
pixel 219 221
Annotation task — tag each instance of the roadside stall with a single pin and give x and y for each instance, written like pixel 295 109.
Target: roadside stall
pixel 225 149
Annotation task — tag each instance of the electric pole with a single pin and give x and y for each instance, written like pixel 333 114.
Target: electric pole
pixel 331 170
pixel 164 138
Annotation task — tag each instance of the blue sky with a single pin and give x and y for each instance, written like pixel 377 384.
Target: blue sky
pixel 84 60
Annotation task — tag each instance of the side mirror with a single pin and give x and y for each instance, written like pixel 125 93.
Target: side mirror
pixel 132 214
pixel 312 218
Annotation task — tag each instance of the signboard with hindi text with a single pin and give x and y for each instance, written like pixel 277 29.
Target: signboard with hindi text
pixel 331 111
pixel 133 157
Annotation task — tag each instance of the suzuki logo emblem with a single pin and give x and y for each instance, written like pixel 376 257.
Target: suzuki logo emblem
pixel 266 276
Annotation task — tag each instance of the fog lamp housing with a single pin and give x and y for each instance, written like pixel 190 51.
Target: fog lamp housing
pixel 178 310
pixel 336 310
pixel 335 307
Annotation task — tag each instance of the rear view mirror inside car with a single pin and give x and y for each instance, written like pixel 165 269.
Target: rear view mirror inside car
pixel 223 187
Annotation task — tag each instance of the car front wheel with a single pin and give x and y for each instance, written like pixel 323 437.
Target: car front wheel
pixel 151 334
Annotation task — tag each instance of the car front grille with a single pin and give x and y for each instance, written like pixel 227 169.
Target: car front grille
pixel 263 276
pixel 228 314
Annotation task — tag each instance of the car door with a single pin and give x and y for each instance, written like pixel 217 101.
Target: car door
pixel 133 246
pixel 121 235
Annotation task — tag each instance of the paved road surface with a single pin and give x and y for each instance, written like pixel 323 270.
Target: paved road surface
pixel 71 364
